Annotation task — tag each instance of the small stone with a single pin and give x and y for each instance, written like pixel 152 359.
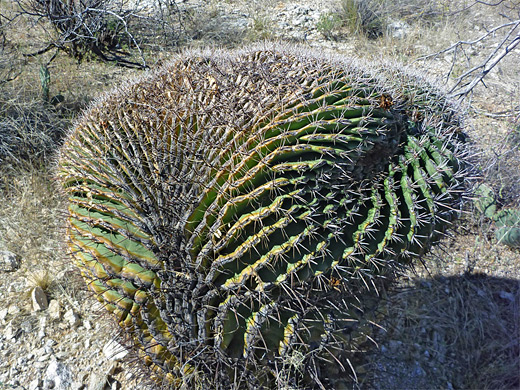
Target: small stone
pixel 54 310
pixel 71 318
pixel 115 385
pixel 48 384
pixel 14 309
pixel 62 355
pixel 41 331
pixel 50 343
pixel 507 295
pixel 418 370
pixel 97 381
pixel 77 386
pixel 39 299
pixel 398 29
pixel 394 345
pixel 83 377
pixel 114 351
pixel 27 326
pixel 3 314
pixel 39 365
pixel 9 261
pixel 87 324
pixel 34 384
pixel 10 332
pixel 59 374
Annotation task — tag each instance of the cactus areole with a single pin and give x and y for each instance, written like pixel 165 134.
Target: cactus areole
pixel 232 208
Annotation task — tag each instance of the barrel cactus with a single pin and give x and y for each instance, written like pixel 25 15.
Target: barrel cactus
pixel 233 210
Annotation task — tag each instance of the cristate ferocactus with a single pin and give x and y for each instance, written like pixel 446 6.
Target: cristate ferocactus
pixel 233 209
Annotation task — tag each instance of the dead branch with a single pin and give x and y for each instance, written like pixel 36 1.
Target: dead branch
pixel 463 87
pixel 465 83
pixel 509 34
pixel 108 29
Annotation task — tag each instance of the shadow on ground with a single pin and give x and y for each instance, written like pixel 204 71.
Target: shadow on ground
pixel 458 332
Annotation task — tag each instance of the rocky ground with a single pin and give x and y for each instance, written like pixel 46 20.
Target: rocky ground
pixel 54 335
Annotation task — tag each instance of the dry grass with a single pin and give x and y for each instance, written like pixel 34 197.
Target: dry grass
pixel 31 217
pixel 469 325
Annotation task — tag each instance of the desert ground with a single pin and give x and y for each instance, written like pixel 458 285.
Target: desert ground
pixel 451 322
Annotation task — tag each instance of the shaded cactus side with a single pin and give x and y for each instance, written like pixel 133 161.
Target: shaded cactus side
pixel 233 210
pixel 507 220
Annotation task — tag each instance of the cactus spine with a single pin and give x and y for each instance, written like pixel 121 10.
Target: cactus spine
pixel 233 209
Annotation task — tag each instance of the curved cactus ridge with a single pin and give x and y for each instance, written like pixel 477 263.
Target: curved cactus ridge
pixel 231 208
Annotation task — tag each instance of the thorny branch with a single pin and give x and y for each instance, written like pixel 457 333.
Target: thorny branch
pixel 463 87
pixel 464 84
pixel 99 27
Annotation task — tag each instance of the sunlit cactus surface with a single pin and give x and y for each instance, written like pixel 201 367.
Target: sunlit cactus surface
pixel 234 209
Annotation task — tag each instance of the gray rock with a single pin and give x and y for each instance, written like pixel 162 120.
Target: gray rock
pixel 14 309
pixel 115 385
pixel 41 331
pixel 48 384
pixel 97 381
pixel 59 374
pixel 50 343
pixel 35 384
pixel 3 314
pixel 77 386
pixel 27 326
pixel 54 309
pixel 398 29
pixel 10 332
pixel 9 261
pixel 418 370
pixel 72 318
pixel 39 299
pixel 507 295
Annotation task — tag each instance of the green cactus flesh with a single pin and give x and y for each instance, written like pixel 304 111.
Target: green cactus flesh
pixel 508 227
pixel 231 209
pixel 506 220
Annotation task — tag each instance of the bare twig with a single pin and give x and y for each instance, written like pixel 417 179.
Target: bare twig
pixel 465 83
pixel 99 27
pixel 507 45
pixel 509 35
pixel 502 114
